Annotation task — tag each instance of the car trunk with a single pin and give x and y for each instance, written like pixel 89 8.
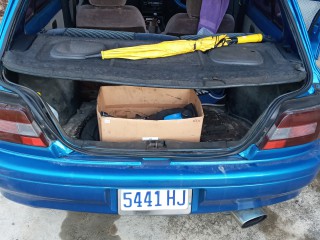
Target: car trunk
pixel 55 64
pixel 226 124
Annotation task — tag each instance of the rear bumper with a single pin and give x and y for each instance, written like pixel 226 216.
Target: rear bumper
pixel 78 183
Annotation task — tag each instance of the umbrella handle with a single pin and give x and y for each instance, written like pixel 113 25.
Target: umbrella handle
pixel 254 38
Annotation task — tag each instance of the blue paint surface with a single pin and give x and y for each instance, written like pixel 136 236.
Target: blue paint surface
pixel 69 180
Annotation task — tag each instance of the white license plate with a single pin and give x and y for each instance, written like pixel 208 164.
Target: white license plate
pixel 154 202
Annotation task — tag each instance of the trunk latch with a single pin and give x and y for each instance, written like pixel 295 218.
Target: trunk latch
pixel 155 145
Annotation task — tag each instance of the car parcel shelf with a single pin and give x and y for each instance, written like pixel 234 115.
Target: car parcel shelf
pixel 237 65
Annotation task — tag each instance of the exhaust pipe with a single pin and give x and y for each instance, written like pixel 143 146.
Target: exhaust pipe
pixel 249 217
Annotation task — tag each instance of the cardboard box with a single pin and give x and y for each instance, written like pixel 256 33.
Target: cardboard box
pixel 124 103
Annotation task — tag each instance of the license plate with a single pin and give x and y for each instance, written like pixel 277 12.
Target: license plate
pixel 154 202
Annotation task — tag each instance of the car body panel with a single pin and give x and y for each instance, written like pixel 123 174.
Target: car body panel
pixel 314 34
pixel 6 20
pixel 91 183
pixel 310 41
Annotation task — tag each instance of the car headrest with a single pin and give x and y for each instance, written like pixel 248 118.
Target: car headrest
pixel 108 3
pixel 194 8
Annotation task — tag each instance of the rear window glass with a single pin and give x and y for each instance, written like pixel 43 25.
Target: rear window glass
pixel 271 9
pixel 34 7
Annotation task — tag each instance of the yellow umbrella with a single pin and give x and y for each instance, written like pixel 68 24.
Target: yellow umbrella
pixel 177 47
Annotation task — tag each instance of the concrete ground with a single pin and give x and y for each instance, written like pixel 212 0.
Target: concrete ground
pixel 295 219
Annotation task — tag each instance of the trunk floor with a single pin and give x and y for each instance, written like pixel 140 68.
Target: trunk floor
pixel 217 126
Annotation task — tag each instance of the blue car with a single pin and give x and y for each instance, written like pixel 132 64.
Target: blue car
pixel 259 142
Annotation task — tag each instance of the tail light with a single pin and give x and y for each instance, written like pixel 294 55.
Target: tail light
pixel 293 128
pixel 18 126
